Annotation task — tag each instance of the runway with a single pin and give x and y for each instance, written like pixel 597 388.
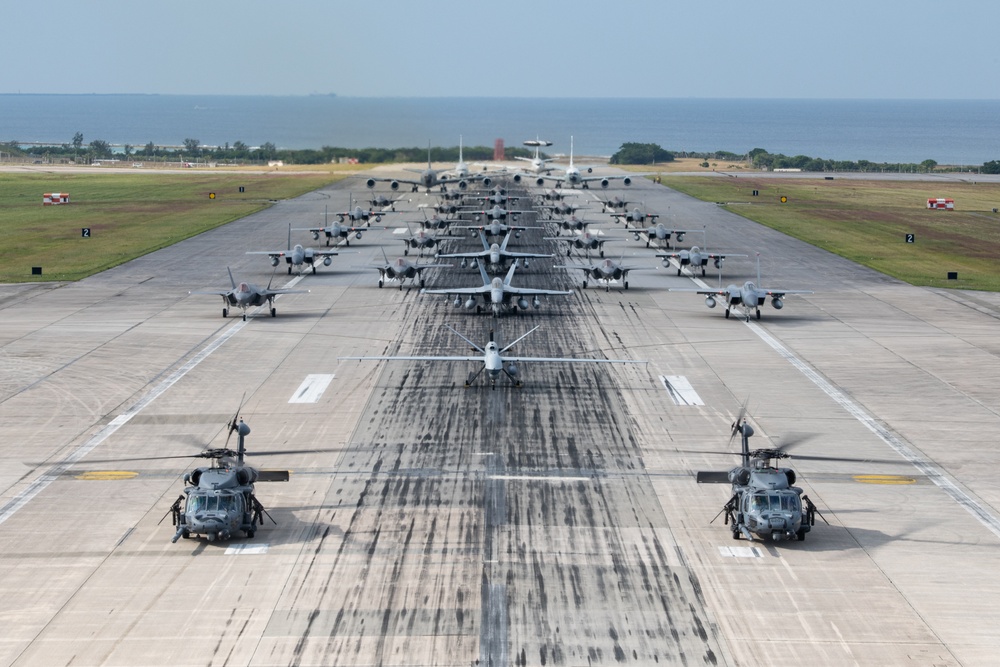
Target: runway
pixel 558 523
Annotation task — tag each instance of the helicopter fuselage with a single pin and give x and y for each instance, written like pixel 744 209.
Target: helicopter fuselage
pixel 218 504
pixel 766 504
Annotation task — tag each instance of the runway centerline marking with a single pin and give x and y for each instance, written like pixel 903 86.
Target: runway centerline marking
pixel 56 471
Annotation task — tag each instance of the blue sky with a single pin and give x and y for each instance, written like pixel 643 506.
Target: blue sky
pixel 724 49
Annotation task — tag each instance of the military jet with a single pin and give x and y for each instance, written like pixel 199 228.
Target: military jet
pixel 496 212
pixel 422 240
pixel 497 197
pixel 573 176
pixel 497 228
pixel 498 294
pixel 495 255
pixel 246 295
pixel 572 222
pixel 380 201
pixel 606 271
pixel 401 269
pixel 635 215
pixel 582 240
pixel 748 296
pixel 552 195
pixel 537 164
pixel 297 256
pixel 661 233
pixel 614 203
pixel 493 362
pixel 564 208
pixel 338 230
pixel 430 178
pixel 694 257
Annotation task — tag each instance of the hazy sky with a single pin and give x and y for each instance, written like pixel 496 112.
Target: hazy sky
pixel 509 48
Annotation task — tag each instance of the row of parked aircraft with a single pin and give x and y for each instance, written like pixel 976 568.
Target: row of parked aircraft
pixel 498 295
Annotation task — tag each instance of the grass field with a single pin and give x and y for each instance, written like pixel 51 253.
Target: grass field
pixel 867 222
pixel 128 215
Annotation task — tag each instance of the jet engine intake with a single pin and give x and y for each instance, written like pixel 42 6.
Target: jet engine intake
pixel 605 183
pixel 392 186
pixel 540 182
pixel 370 183
pixel 627 180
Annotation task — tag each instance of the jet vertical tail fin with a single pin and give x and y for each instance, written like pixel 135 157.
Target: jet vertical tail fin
pixel 231 279
pixel 510 273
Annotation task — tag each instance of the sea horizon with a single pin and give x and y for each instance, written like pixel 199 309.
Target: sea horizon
pixel 960 132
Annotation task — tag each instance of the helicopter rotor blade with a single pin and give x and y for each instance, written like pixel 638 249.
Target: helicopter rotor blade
pixel 232 424
pixel 739 420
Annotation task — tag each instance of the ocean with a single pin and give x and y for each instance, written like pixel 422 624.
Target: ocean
pixel 962 132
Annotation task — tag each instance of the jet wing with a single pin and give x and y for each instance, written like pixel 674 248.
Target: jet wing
pixel 482 289
pixel 272 253
pixel 783 292
pixel 528 291
pixel 713 292
pixel 269 292
pixel 571 360
pixel 478 358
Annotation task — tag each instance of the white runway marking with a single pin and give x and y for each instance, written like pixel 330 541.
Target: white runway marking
pixel 247 549
pixel 311 389
pixel 46 478
pixel 680 390
pixel 740 552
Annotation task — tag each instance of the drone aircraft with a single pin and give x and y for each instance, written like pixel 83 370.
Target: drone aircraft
pixel 537 164
pixel 246 296
pixel 498 294
pixel 401 269
pixel 694 257
pixel 748 296
pixel 296 256
pixel 493 362
pixel 495 255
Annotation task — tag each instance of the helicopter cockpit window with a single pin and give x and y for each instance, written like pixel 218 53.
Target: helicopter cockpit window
pixel 760 503
pixel 789 502
pixel 196 503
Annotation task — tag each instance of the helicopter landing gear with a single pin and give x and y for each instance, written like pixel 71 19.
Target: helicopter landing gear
pixel 249 533
pixel 800 534
pixel 186 534
pixel 736 532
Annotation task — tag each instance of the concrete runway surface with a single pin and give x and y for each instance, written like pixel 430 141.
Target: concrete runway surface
pixel 554 524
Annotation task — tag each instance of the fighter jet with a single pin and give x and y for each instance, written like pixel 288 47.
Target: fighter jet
pixel 694 257
pixel 338 230
pixel 606 271
pixel 297 256
pixel 582 240
pixel 422 240
pixel 564 208
pixel 748 296
pixel 246 295
pixel 661 233
pixel 401 269
pixel 496 212
pixel 430 178
pixel 497 228
pixel 495 256
pixel 572 222
pixel 380 201
pixel 614 203
pixel 573 177
pixel 494 364
pixel 498 294
pixel 636 215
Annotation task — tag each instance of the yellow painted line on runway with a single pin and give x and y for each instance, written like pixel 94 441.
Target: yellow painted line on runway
pixel 884 479
pixel 105 475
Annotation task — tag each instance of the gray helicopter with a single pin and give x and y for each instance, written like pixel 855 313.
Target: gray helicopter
pixel 219 500
pixel 765 502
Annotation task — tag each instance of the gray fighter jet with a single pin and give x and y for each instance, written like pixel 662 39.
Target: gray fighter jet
pixel 296 256
pixel 495 255
pixel 246 295
pixel 748 296
pixel 498 294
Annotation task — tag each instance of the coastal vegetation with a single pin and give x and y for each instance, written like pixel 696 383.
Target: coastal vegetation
pixel 128 215
pixel 867 221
